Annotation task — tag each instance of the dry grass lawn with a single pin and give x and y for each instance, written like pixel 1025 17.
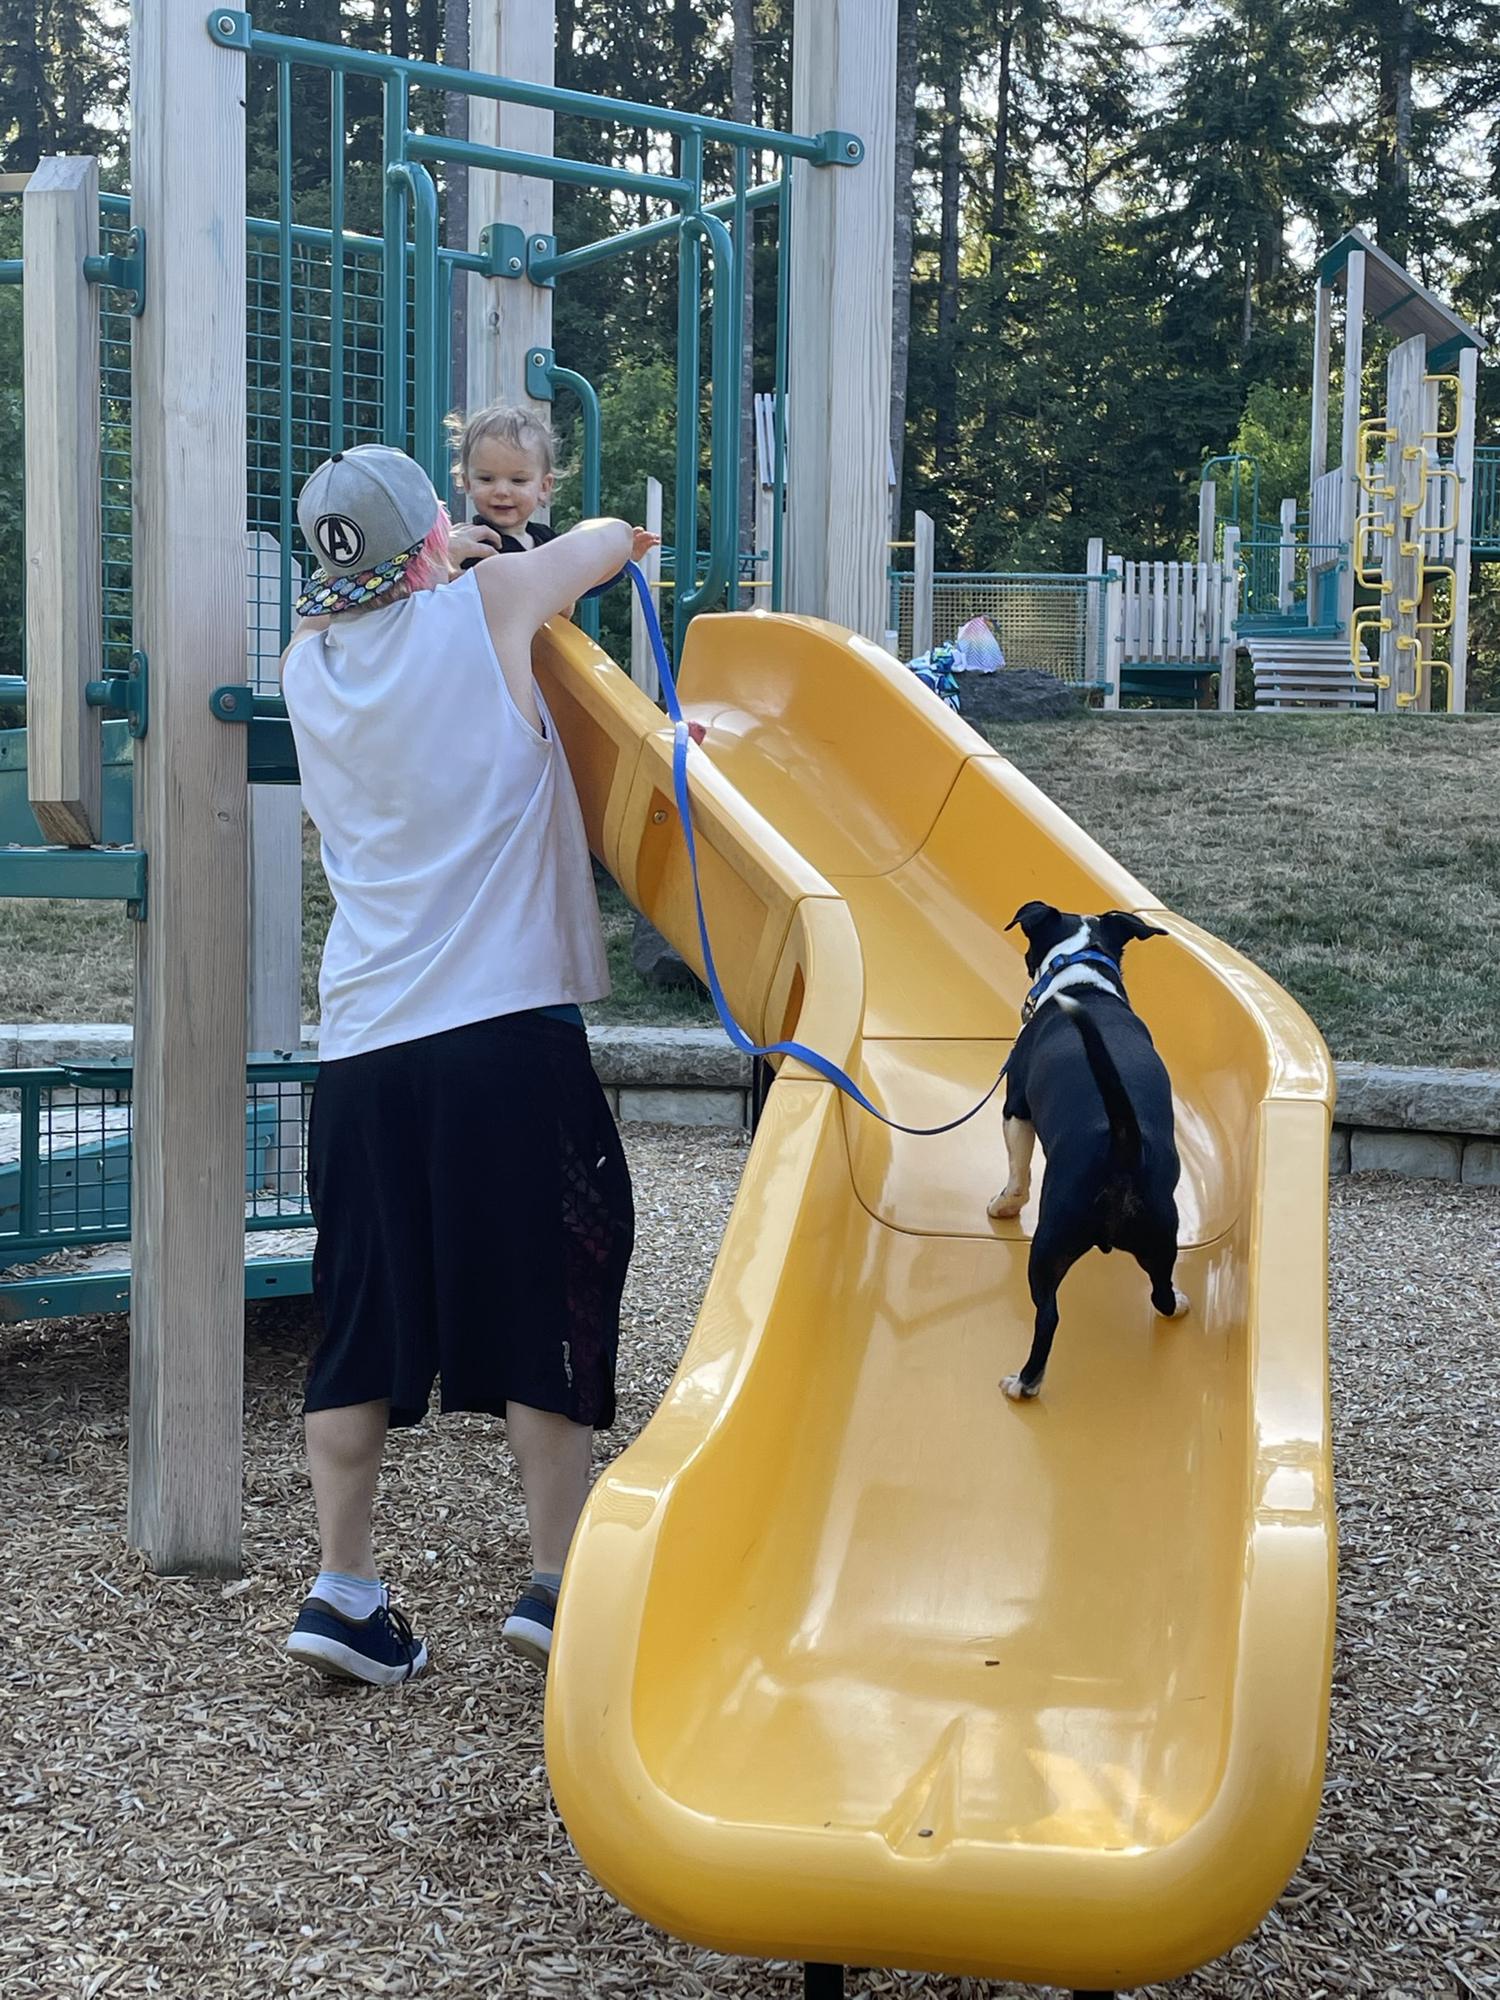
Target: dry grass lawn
pixel 1357 859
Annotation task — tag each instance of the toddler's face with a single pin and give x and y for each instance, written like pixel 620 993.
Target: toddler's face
pixel 506 485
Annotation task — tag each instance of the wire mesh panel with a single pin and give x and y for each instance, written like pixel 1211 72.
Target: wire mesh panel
pixel 314 386
pixel 1486 515
pixel 1050 624
pixel 65 1157
pixel 114 446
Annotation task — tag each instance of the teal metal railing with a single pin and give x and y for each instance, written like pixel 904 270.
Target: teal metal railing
pixel 1486 515
pixel 417 273
pixel 65 1179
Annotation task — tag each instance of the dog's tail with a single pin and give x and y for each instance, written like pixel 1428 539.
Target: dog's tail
pixel 1124 1131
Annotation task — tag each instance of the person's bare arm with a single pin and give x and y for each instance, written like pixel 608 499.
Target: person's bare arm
pixel 318 622
pixel 521 592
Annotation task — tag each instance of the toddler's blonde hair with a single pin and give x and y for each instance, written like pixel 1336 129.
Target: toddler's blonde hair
pixel 521 429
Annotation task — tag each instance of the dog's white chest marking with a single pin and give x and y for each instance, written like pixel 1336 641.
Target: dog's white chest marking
pixel 1073 975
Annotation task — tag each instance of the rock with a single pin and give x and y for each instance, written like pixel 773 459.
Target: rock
pixel 1385 1098
pixel 1417 1156
pixel 657 962
pixel 1017 694
pixel 630 1058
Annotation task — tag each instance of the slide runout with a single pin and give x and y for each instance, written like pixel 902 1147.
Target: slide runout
pixel 856 1662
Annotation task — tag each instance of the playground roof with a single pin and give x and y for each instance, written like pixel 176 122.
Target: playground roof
pixel 1395 299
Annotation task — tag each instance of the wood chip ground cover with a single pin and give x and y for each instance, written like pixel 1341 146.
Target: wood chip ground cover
pixel 184 1814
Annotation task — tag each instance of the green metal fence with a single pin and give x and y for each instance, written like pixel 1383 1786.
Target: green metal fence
pixel 65 1158
pixel 1486 515
pixel 1052 624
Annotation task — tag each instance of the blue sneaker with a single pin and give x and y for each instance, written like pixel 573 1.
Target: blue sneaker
pixel 528 1630
pixel 379 1650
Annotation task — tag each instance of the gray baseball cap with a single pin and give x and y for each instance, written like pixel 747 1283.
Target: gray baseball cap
pixel 364 513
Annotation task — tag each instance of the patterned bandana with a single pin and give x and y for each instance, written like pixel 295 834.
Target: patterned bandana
pixel 347 593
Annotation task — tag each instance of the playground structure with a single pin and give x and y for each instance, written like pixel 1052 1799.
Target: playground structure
pixel 1401 516
pixel 854 1662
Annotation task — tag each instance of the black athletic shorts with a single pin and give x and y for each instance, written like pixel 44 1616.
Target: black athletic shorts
pixel 475 1223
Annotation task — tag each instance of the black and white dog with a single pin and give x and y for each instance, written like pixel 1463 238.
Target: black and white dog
pixel 1085 1074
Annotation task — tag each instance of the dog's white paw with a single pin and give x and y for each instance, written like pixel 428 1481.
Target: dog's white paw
pixel 1182 1303
pixel 1017 1390
pixel 1005 1205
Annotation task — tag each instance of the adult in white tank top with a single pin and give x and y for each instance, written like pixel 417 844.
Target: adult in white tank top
pixel 473 1205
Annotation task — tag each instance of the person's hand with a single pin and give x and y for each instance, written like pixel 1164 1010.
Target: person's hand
pixel 642 542
pixel 471 542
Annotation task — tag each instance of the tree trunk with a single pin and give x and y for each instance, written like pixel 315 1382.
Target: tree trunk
pixel 1000 171
pixel 742 110
pixel 1401 136
pixel 684 30
pixel 430 28
pixel 950 143
pixel 1394 115
pixel 906 157
pixel 400 28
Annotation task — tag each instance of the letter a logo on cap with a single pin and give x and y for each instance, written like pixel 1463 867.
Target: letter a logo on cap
pixel 340 541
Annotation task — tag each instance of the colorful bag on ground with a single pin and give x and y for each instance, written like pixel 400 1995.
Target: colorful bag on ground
pixel 935 670
pixel 978 649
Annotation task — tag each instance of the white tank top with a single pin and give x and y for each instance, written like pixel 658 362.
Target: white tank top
pixel 452 838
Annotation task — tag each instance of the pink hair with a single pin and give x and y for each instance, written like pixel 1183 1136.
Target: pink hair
pixel 429 566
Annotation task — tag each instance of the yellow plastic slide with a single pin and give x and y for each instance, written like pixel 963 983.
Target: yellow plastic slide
pixel 856 1660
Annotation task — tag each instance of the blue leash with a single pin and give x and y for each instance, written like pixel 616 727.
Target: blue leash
pixel 823 1065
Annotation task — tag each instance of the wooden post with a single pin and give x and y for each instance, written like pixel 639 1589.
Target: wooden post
pixel 1208 519
pixel 1228 614
pixel 1354 361
pixel 642 661
pixel 1467 369
pixel 924 534
pixel 1401 559
pixel 509 315
pixel 843 219
pixel 1317 448
pixel 1286 559
pixel 1093 609
pixel 1114 630
pixel 188 379
pixel 64 589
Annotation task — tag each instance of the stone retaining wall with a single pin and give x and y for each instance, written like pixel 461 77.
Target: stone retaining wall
pixel 1425 1124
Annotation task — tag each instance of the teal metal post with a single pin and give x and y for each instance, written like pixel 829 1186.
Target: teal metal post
pixel 685 500
pixel 724 434
pixel 284 337
pixel 336 261
pixel 593 467
pixel 428 385
pixel 783 329
pixel 744 276
pixel 393 302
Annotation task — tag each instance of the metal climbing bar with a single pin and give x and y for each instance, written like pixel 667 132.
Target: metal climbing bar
pixel 557 263
pixel 233 29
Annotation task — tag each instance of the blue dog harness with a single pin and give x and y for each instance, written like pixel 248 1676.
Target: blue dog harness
pixel 1089 955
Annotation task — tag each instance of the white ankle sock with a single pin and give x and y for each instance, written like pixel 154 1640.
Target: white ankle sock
pixel 354 1596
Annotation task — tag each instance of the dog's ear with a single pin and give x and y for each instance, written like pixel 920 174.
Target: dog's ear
pixel 1031 917
pixel 1118 927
